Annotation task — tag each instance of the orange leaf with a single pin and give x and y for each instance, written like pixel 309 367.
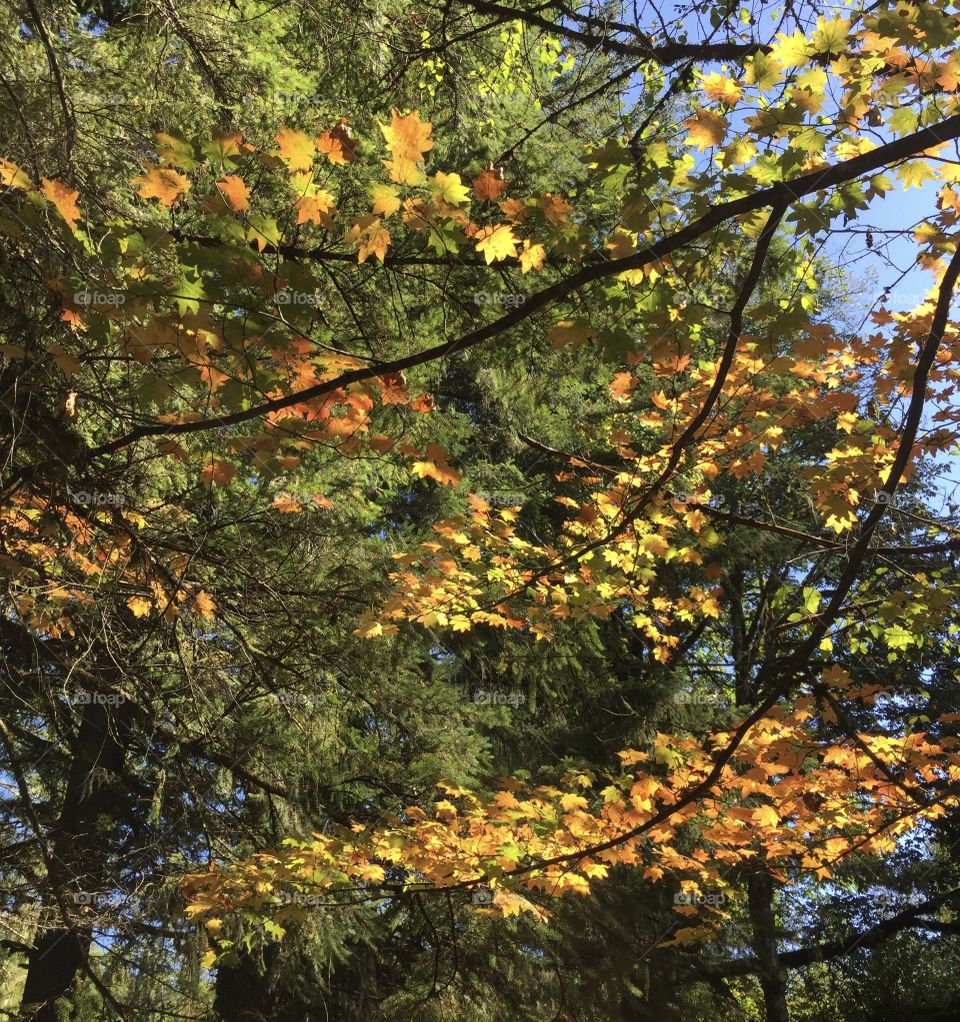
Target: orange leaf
pixel 286 503
pixel 218 473
pixel 163 184
pixel 203 605
pixel 489 184
pixel 235 192
pixel 64 198
pixel 706 129
pixel 555 208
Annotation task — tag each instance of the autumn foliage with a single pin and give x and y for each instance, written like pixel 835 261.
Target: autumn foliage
pixel 688 268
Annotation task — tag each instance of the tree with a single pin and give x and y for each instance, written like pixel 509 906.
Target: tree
pixel 597 405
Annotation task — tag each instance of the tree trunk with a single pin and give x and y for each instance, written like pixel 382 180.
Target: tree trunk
pixel 773 977
pixel 78 847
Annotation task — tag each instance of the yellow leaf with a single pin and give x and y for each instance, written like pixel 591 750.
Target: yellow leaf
pixel 140 606
pixel 204 606
pixel 199 908
pixel 286 503
pixel 315 204
pixel 496 243
pixel 338 144
pixel 386 201
pixel 791 50
pixel 555 208
pixel 11 176
pixel 407 137
pixel 766 816
pixel 914 173
pixel 296 149
pixel 532 256
pixel 831 36
pixel 449 188
pixel 370 237
pixel 441 472
pixel 721 89
pixel 404 171
pixel 218 473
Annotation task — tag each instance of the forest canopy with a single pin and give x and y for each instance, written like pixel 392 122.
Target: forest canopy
pixel 479 532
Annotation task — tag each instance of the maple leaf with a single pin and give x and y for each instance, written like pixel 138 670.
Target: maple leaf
pixel 223 147
pixel 11 176
pixel 531 256
pixel 218 473
pixel 424 404
pixel 404 171
pixel 296 149
pixel 286 503
pixel 831 36
pixel 386 200
pixel 555 208
pixel 331 148
pixel 203 605
pixel 570 331
pixel 174 151
pixel 766 816
pixel 914 173
pixel 438 468
pixel 721 89
pixel 370 237
pixel 489 184
pixel 408 138
pixel 496 243
pixel 316 206
pixel 235 192
pixel 791 50
pixel 706 129
pixel 163 184
pixel 140 606
pixel 449 188
pixel 64 198
pixel 514 210
pixel 338 144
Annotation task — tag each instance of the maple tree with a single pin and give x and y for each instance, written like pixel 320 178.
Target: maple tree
pixel 257 377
